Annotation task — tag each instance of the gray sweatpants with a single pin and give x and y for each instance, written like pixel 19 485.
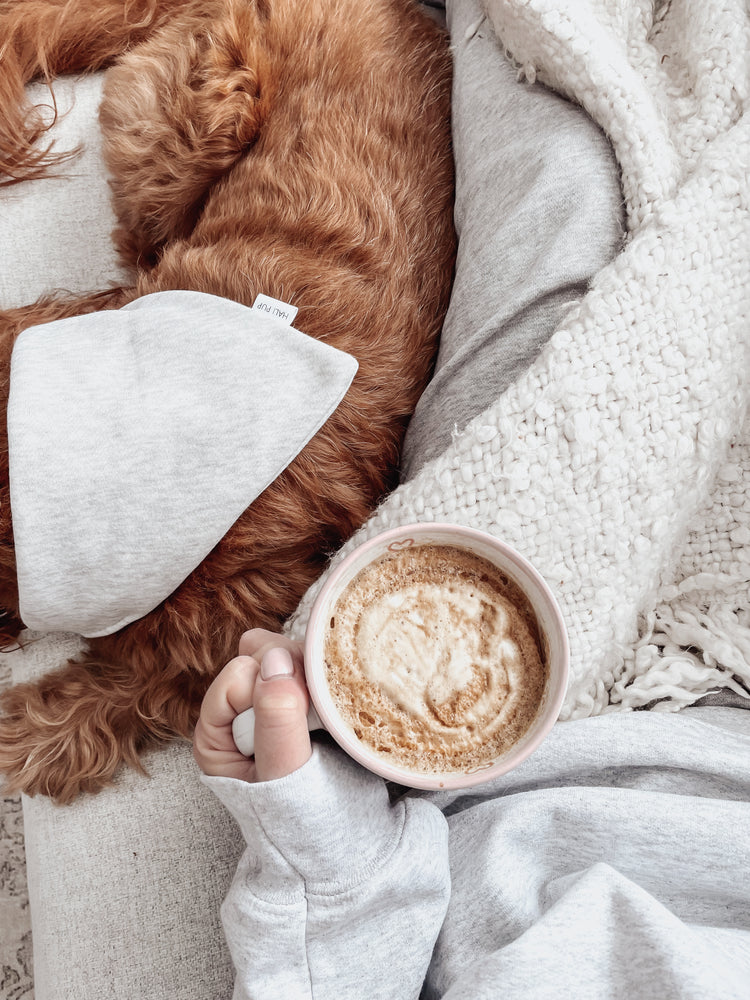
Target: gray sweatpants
pixel 538 212
pixel 611 864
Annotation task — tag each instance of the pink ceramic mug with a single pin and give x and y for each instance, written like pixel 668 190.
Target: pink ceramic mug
pixel 324 713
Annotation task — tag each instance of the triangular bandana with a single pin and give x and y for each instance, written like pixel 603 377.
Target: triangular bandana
pixel 138 436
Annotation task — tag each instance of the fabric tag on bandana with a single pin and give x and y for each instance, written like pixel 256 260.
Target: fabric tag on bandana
pixel 275 308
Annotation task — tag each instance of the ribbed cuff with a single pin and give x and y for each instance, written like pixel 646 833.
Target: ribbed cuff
pixel 330 820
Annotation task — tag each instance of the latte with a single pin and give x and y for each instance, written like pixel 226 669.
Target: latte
pixel 433 656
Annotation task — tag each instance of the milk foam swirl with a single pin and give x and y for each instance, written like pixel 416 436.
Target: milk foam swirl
pixel 425 645
pixel 433 658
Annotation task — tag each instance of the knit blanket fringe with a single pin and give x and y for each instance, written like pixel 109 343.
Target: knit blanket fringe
pixel 619 464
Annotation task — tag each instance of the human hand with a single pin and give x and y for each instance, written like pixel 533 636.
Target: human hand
pixel 267 676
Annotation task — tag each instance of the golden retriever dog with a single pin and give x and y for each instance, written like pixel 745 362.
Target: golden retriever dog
pixel 298 148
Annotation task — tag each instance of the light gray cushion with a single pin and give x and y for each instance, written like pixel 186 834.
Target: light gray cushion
pixel 55 231
pixel 125 886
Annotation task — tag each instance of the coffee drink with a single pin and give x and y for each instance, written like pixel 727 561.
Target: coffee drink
pixel 434 657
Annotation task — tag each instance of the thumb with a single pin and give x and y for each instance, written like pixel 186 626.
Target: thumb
pixel 280 702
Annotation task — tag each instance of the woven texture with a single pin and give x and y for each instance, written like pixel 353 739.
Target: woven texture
pixel 617 463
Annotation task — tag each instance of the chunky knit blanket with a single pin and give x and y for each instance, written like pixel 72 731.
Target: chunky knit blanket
pixel 620 463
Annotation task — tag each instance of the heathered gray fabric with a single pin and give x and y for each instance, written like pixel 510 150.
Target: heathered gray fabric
pixel 612 863
pixel 138 436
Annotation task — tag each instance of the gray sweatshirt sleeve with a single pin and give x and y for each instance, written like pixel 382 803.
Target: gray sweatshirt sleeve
pixel 339 893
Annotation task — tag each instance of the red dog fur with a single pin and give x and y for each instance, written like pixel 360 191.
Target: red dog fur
pixel 299 148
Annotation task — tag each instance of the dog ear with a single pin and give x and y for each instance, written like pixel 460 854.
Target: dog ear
pixel 178 113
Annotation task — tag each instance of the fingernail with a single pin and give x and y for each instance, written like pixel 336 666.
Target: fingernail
pixel 277 662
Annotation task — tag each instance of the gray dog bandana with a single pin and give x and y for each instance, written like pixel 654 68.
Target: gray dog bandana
pixel 138 436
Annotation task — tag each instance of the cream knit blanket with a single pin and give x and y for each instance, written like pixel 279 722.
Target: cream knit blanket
pixel 619 464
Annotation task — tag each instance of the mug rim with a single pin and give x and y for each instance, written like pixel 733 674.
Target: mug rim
pixel 341 731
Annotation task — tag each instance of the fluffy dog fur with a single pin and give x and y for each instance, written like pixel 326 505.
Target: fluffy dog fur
pixel 299 148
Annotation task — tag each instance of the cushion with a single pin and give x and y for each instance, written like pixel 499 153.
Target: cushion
pixel 55 231
pixel 126 886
